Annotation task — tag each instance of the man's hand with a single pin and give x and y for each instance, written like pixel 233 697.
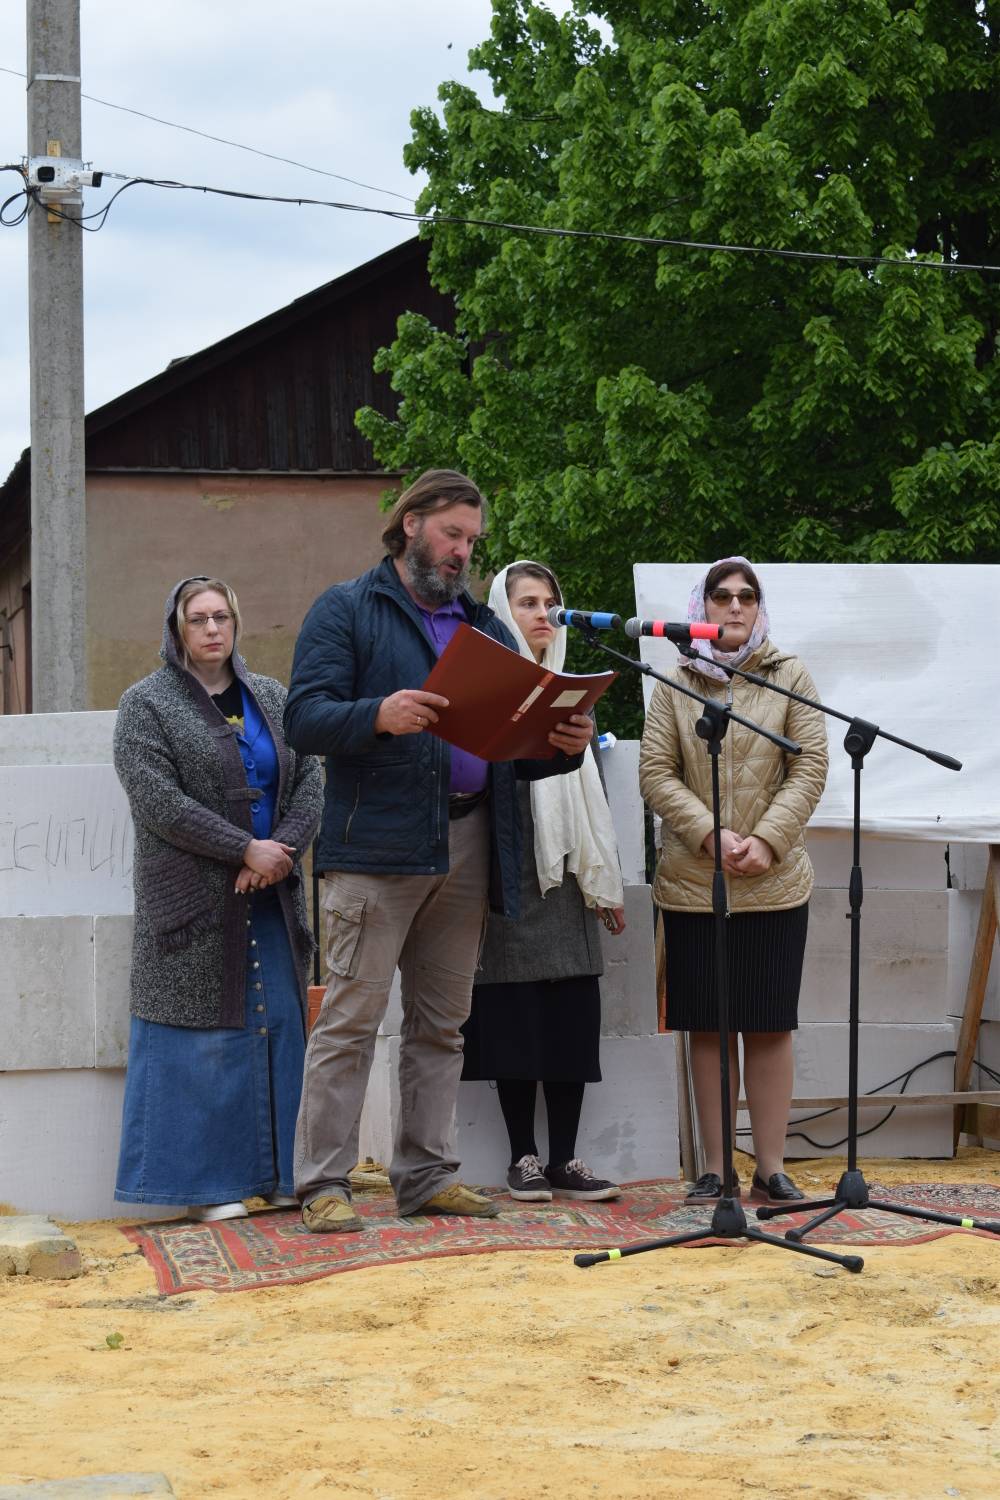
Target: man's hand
pixel 752 856
pixel 265 862
pixel 408 712
pixel 573 737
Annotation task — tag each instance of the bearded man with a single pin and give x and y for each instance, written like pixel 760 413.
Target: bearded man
pixel 418 840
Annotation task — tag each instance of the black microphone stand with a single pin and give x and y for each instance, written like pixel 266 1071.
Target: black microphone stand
pixel 729 1221
pixel 851 1191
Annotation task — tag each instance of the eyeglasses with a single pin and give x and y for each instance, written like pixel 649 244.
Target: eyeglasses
pixel 198 622
pixel 723 596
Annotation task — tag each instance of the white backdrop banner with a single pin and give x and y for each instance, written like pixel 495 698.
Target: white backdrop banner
pixel 907 647
pixel 66 842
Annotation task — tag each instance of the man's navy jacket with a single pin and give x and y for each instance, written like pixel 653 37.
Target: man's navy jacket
pixel 386 806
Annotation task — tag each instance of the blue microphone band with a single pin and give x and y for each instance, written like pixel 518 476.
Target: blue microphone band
pixel 583 619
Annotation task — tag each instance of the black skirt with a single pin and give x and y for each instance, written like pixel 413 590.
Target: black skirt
pixel 548 1029
pixel 765 969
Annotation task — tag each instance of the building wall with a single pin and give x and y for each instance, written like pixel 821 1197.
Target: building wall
pixel 279 540
pixel 15 630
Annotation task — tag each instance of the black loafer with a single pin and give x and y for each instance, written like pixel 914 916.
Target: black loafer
pixel 708 1189
pixel 779 1188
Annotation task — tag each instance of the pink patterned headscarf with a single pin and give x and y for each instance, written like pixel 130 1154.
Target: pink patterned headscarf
pixel 708 654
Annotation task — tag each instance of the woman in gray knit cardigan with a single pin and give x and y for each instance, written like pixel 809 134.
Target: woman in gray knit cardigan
pixel 223 810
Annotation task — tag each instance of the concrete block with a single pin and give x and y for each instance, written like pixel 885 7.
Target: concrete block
pixel 66 841
pixel 59 1134
pixel 77 739
pixel 885 1052
pixel 47 992
pixel 112 963
pixel 988 1052
pixel 886 863
pixel 621 773
pixel 904 956
pixel 967 863
pixel 381 1107
pixel 628 1130
pixel 93 1487
pixel 392 1024
pixel 628 984
pixel 32 1245
pixel 963 920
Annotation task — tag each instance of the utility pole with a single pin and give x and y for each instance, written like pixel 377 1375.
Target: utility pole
pixel 55 295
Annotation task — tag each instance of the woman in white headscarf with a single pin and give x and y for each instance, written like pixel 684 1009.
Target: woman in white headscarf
pixel 536 1004
pixel 767 799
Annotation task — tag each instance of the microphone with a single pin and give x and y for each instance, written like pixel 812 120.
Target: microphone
pixel 698 630
pixel 583 619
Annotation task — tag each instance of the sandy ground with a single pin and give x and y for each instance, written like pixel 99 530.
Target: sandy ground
pixel 719 1372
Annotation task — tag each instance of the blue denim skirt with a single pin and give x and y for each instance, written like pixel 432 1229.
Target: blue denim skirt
pixel 209 1115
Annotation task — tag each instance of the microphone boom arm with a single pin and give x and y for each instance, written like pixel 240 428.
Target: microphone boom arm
pixel 938 756
pixel 644 667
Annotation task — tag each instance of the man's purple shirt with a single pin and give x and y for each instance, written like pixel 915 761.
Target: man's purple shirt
pixel 468 772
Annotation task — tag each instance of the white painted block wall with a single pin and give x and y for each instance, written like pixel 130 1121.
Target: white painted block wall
pixel 64 1008
pixel 915 947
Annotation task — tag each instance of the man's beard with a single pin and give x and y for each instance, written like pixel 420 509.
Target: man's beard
pixel 425 580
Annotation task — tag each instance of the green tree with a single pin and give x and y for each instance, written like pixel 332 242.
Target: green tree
pixel 620 402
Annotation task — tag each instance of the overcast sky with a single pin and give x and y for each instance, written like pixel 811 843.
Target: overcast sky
pixel 328 82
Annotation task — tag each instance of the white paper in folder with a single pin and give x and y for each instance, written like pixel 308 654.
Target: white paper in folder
pixel 907 647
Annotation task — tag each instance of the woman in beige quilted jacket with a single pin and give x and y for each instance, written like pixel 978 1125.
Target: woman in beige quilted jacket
pixel 767 799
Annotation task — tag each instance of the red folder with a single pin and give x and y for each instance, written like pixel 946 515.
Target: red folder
pixel 503 706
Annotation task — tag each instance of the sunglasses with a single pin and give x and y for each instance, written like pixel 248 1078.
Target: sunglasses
pixel 723 596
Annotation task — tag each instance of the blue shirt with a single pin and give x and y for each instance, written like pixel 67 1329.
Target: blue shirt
pixel 260 761
pixel 468 772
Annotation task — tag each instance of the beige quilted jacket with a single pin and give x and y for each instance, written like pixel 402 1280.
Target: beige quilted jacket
pixel 764 791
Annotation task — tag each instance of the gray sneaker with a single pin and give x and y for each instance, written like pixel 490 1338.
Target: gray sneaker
pixel 527 1182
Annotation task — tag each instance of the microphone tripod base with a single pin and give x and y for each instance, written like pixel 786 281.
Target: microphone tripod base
pixel 729 1222
pixel 852 1193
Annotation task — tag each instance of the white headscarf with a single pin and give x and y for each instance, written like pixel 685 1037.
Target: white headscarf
pixel 573 828
pixel 708 654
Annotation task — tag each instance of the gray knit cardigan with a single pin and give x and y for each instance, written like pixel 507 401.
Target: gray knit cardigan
pixel 180 764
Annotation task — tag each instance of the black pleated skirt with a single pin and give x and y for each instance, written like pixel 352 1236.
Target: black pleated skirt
pixel 766 950
pixel 548 1029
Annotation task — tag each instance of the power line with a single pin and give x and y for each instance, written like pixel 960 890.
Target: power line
pixel 548 231
pixel 237 145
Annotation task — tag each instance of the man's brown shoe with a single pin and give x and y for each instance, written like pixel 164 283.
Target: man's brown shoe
pixel 331 1215
pixel 458 1199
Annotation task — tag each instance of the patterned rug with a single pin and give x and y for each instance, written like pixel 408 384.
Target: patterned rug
pixel 275 1249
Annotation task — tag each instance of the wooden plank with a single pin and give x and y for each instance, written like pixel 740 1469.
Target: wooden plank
pixel 979 971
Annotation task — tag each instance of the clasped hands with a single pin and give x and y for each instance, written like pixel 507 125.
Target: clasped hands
pixel 749 856
pixel 411 710
pixel 265 862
